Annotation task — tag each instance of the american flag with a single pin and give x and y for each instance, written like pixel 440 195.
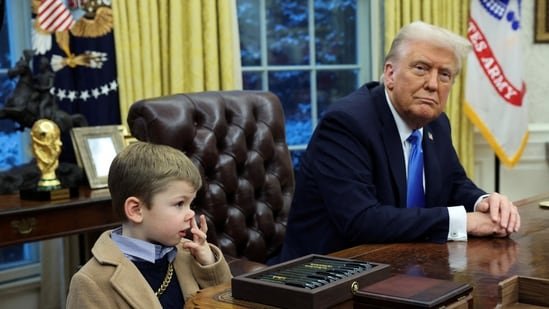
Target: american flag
pixel 54 16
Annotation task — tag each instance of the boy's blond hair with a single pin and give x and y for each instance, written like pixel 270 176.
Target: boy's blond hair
pixel 144 169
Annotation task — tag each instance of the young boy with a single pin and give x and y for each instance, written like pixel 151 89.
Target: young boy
pixel 148 262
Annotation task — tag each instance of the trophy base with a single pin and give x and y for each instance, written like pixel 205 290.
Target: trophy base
pixel 48 195
pixel 49 184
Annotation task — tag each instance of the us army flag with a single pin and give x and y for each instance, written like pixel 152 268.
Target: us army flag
pixel 495 89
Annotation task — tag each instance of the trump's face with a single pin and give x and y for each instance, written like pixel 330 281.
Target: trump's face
pixel 418 81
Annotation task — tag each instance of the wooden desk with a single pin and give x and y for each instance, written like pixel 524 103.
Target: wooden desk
pixel 23 221
pixel 481 262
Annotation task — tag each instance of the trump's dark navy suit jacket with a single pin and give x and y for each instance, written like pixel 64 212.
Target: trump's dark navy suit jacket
pixel 351 185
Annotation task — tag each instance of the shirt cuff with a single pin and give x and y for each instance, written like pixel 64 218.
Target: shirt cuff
pixel 457 230
pixel 480 199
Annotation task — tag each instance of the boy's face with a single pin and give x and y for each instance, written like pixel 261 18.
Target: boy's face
pixel 170 214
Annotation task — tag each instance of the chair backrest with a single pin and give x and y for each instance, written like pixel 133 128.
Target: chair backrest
pixel 237 140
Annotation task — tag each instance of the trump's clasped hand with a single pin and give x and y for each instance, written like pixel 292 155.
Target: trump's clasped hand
pixel 495 215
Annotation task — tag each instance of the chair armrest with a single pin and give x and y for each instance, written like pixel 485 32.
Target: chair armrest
pixel 239 266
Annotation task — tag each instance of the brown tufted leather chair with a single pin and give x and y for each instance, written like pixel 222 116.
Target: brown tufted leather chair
pixel 237 140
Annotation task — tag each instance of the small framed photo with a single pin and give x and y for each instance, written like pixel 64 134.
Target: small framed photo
pixel 126 136
pixel 95 148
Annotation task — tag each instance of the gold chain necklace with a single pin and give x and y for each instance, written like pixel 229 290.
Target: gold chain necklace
pixel 166 281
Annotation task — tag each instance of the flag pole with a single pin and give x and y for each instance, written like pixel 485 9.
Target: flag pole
pixel 496 173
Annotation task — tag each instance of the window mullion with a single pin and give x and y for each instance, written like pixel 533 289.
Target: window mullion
pixel 312 62
pixel 263 45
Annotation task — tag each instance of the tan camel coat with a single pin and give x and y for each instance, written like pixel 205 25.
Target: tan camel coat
pixel 111 280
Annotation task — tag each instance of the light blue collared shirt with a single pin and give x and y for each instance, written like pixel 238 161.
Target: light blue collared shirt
pixel 140 250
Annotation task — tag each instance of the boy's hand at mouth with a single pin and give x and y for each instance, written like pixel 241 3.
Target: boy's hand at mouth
pixel 196 242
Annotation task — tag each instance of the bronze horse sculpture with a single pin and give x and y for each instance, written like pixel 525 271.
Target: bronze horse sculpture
pixel 31 99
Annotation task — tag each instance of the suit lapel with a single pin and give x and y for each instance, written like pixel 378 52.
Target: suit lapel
pixel 126 279
pixel 391 142
pixel 431 167
pixel 130 284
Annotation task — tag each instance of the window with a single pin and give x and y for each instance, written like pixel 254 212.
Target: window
pixel 19 260
pixel 309 53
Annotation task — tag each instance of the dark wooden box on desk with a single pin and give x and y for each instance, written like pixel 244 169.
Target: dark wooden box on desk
pixel 523 292
pixel 312 281
pixel 403 291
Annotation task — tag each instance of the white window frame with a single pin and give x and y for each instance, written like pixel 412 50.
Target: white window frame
pixel 369 45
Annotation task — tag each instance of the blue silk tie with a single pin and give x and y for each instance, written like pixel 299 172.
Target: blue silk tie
pixel 416 196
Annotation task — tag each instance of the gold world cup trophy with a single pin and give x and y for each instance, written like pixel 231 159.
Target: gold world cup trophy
pixel 46 147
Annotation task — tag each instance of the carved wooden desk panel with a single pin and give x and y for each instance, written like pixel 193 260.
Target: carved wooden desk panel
pixel 23 220
pixel 481 262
